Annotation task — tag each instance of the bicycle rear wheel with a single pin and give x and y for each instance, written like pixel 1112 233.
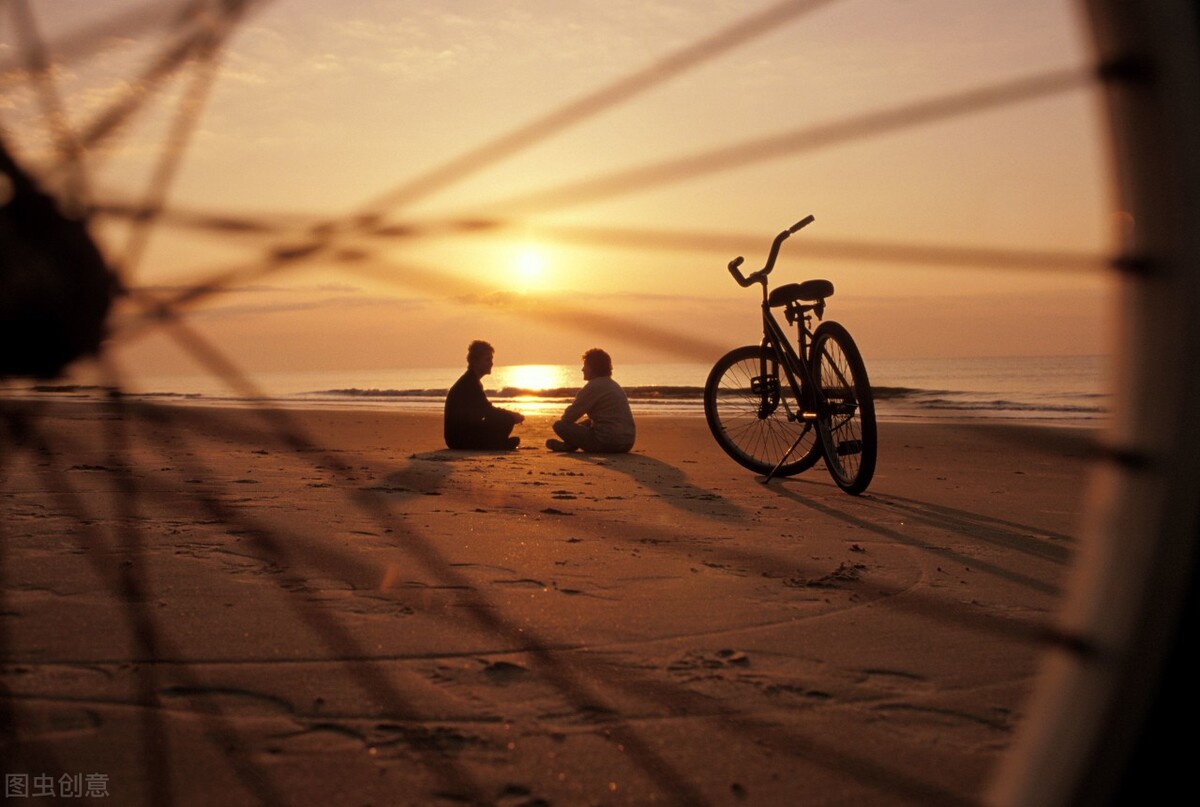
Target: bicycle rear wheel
pixel 849 439
pixel 754 414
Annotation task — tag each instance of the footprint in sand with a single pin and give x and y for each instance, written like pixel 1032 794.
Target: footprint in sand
pixel 523 582
pixel 843 575
pixel 504 672
pixel 720 659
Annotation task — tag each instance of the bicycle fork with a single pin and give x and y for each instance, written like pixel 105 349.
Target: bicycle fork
pixel 809 418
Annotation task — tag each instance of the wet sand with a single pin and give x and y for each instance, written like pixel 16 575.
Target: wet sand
pixel 217 606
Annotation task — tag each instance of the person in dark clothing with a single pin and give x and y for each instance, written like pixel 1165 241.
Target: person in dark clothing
pixel 470 419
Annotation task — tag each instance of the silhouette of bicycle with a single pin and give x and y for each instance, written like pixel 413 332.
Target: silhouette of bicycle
pixel 1114 664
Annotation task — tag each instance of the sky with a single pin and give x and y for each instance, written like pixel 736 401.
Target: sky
pixel 623 153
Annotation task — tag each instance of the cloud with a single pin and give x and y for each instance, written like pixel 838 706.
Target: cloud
pixel 266 300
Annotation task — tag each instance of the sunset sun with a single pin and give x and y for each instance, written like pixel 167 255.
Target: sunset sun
pixel 530 268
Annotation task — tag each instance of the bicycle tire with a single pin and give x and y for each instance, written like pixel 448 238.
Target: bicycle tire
pixel 756 437
pixel 849 437
pixel 1109 703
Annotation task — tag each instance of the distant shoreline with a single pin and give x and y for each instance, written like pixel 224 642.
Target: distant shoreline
pixel 536 409
pixel 1065 390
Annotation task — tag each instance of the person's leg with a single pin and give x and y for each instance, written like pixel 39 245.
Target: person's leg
pixel 490 435
pixel 576 435
pixel 582 437
pixel 497 434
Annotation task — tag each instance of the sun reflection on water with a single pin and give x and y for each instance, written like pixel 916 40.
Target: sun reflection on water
pixel 534 378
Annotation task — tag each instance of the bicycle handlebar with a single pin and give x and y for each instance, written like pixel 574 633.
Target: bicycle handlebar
pixel 800 225
pixel 741 279
pixel 755 277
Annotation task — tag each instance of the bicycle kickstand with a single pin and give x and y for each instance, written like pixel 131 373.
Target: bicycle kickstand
pixel 766 479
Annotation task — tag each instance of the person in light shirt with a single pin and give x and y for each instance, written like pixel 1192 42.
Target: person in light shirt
pixel 607 424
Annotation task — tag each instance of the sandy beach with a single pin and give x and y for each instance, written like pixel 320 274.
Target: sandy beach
pixel 221 606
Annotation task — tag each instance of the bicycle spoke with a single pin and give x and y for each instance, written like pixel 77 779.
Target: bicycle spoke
pixel 619 92
pixel 655 175
pixel 70 150
pixel 759 429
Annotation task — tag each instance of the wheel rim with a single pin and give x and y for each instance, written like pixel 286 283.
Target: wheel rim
pixel 755 436
pixel 844 424
pixel 1127 597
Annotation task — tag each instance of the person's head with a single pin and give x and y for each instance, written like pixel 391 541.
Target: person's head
pixel 596 364
pixel 479 357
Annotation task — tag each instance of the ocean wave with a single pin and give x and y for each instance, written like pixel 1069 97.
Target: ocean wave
pixel 567 393
pixel 1002 405
pixel 1086 405
pixel 903 393
pixel 355 392
pixel 68 389
pixel 104 391
pixel 564 393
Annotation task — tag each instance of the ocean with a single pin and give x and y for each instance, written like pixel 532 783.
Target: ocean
pixel 1067 390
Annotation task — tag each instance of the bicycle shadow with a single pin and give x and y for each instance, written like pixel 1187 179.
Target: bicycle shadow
pixel 1012 535
pixel 966 524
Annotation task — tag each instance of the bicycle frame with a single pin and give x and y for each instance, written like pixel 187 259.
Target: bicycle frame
pixel 794 362
pixel 796 366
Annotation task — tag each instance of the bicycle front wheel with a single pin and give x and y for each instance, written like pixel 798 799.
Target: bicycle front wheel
pixel 754 414
pixel 849 439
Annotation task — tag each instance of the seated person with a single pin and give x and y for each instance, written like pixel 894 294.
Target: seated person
pixel 608 423
pixel 470 419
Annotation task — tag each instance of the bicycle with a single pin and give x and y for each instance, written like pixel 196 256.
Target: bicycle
pixel 820 407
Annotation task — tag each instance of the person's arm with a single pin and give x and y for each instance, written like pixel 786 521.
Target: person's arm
pixel 488 411
pixel 582 403
pixel 496 413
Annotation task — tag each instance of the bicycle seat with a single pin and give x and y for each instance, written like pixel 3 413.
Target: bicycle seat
pixel 808 291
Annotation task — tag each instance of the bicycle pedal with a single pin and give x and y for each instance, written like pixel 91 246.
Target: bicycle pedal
pixel 765 385
pixel 849 447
